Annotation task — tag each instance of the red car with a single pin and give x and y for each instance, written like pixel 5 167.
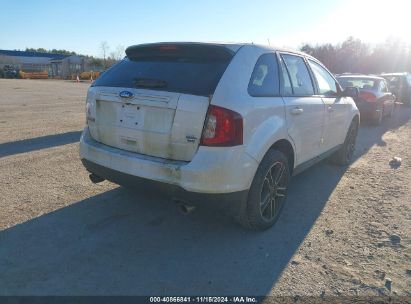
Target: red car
pixel 375 101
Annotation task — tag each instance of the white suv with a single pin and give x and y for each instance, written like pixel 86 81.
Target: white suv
pixel 224 124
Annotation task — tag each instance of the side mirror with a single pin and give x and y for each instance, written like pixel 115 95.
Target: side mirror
pixel 351 92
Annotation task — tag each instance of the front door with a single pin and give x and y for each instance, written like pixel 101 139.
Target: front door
pixel 304 110
pixel 337 108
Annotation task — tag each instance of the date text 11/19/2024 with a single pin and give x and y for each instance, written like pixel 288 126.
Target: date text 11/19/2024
pixel 205 299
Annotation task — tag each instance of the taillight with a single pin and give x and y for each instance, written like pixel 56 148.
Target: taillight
pixel 367 96
pixel 222 128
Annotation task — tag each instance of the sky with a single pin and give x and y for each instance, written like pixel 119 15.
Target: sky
pixel 82 26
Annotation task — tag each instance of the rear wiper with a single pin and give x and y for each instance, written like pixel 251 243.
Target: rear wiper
pixel 149 83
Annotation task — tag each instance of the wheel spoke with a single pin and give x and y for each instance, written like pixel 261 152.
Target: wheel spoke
pixel 272 207
pixel 265 203
pixel 281 191
pixel 270 180
pixel 280 173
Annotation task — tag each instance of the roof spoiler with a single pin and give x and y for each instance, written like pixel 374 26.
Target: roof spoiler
pixel 202 51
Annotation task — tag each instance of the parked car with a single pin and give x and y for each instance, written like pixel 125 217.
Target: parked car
pixel 9 72
pixel 400 85
pixel 223 124
pixel 374 100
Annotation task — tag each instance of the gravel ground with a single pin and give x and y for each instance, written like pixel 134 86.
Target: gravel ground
pixel 344 231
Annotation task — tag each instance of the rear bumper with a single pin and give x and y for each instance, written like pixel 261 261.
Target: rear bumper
pixel 212 170
pixel 233 203
pixel 368 109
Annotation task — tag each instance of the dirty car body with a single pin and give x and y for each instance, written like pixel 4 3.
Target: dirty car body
pixel 196 120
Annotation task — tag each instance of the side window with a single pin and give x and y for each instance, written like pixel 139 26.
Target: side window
pixel 264 79
pixel 383 86
pixel 326 83
pixel 394 82
pixel 287 89
pixel 299 75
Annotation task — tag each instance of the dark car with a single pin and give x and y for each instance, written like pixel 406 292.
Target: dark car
pixel 374 99
pixel 400 85
pixel 9 72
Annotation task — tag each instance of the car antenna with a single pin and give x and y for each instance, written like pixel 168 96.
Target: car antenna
pixel 268 39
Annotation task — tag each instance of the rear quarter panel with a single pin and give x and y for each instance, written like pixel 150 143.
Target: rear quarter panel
pixel 263 117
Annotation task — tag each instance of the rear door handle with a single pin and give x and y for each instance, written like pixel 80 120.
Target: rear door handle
pixel 330 109
pixel 297 110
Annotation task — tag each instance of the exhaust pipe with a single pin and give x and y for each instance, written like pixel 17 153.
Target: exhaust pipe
pixel 95 179
pixel 185 209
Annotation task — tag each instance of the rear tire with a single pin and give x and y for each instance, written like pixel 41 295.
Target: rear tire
pixel 391 111
pixel 268 192
pixel 376 119
pixel 344 155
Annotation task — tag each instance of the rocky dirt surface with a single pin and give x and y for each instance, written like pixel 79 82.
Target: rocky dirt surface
pixel 345 232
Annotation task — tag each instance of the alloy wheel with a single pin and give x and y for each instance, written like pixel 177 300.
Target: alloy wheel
pixel 273 191
pixel 351 142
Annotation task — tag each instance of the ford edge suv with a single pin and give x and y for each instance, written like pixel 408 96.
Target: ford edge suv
pixel 216 124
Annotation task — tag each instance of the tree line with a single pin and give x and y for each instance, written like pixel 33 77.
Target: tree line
pixel 350 56
pixel 53 51
pixel 355 56
pixel 108 57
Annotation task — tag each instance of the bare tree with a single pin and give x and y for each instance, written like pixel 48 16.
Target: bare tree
pixel 104 48
pixel 112 56
pixel 119 52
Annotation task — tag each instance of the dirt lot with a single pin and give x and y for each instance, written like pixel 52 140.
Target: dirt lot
pixel 343 232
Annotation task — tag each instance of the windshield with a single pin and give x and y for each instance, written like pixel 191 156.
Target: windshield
pixel 182 70
pixel 360 83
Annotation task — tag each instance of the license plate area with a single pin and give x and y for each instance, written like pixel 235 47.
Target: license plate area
pixel 131 116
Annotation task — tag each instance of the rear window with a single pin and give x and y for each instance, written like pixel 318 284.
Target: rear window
pixel 392 81
pixel 360 83
pixel 189 69
pixel 264 80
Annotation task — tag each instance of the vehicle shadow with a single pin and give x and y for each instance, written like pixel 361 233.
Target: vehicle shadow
pixel 38 143
pixel 123 242
pixel 370 135
pixel 129 243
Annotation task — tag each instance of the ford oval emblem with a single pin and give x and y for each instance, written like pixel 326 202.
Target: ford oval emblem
pixel 126 94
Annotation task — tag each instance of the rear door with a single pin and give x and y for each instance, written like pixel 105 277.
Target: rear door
pixel 337 109
pixel 155 101
pixel 304 110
